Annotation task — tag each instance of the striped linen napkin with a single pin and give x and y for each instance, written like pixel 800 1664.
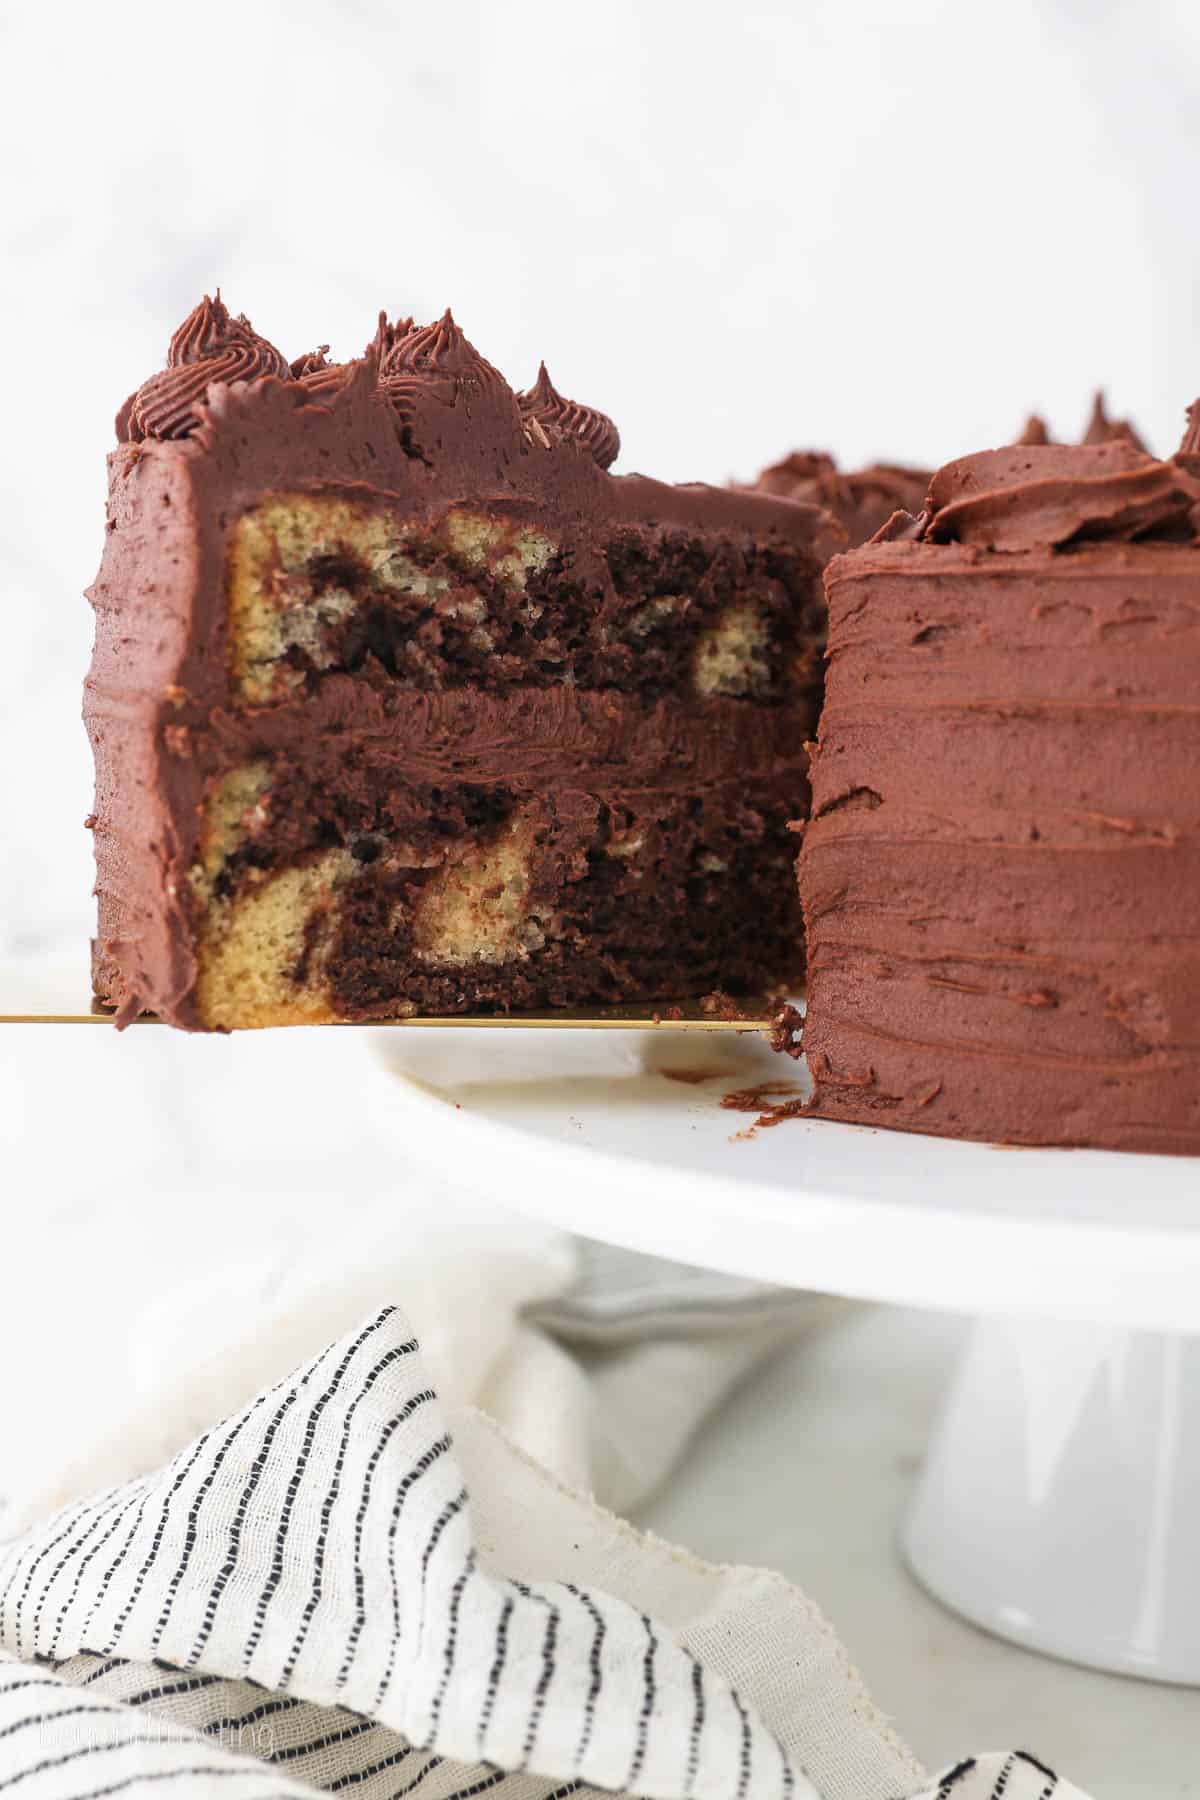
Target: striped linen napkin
pixel 341 1588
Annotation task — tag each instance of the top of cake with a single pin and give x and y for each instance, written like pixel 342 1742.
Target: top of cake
pixel 1040 495
pixel 326 517
pixel 861 499
pixel 864 500
pixel 421 414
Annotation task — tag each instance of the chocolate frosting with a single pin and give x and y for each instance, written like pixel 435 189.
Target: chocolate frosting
pixel 1034 431
pixel 314 363
pixel 319 377
pixel 456 414
pixel 1028 496
pixel 1100 429
pixel 208 347
pixel 582 424
pixel 435 366
pixel 862 500
pixel 801 470
pixel 390 332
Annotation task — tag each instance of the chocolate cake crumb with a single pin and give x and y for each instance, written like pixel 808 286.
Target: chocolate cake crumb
pixel 787 1025
pixel 761 1100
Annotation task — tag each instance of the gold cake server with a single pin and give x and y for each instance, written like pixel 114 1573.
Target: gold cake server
pixel 55 990
pixel 670 1016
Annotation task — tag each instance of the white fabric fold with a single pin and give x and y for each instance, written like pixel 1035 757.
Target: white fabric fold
pixel 473 1279
pixel 309 1588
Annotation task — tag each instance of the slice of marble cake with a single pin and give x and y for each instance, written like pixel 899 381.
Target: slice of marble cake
pixel 401 703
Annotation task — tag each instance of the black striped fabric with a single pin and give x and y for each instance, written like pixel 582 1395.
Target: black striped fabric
pixel 297 1604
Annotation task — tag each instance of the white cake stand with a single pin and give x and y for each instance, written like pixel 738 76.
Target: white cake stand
pixel 1060 1500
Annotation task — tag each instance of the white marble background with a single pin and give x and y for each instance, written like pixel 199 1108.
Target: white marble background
pixel 884 228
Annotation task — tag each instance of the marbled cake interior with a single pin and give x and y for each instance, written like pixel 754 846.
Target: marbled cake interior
pixel 404 704
pixel 318 583
pixel 446 898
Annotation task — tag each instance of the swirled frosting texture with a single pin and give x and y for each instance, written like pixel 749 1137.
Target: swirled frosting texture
pixel 1001 873
pixel 428 370
pixel 320 378
pixel 1100 429
pixel 1030 496
pixel 311 364
pixel 440 358
pixel 447 401
pixel 584 425
pixel 209 347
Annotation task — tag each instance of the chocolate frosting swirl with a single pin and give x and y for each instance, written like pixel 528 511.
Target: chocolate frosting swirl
pixel 1100 429
pixel 542 404
pixel 312 364
pixel 1034 431
pixel 1190 443
pixel 428 368
pixel 437 360
pixel 1030 496
pixel 1103 430
pixel 319 377
pixel 389 334
pixel 210 346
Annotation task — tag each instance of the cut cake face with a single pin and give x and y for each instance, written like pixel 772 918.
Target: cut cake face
pixel 401 703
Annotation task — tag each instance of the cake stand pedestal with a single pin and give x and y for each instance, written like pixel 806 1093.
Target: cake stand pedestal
pixel 1060 1500
pixel 1059 1504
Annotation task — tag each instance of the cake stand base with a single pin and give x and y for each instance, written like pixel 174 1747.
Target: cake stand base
pixel 1061 1502
pixel 1059 1505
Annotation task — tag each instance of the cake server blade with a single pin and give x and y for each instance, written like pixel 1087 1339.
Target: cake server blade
pixel 669 1016
pixel 55 989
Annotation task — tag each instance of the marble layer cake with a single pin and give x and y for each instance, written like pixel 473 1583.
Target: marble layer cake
pixel 1001 875
pixel 400 702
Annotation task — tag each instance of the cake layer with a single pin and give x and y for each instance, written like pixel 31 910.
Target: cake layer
pixel 319 582
pixel 370 853
pixel 469 899
pixel 295 534
pixel 1001 875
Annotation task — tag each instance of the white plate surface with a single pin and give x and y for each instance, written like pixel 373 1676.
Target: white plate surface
pixel 597 1132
